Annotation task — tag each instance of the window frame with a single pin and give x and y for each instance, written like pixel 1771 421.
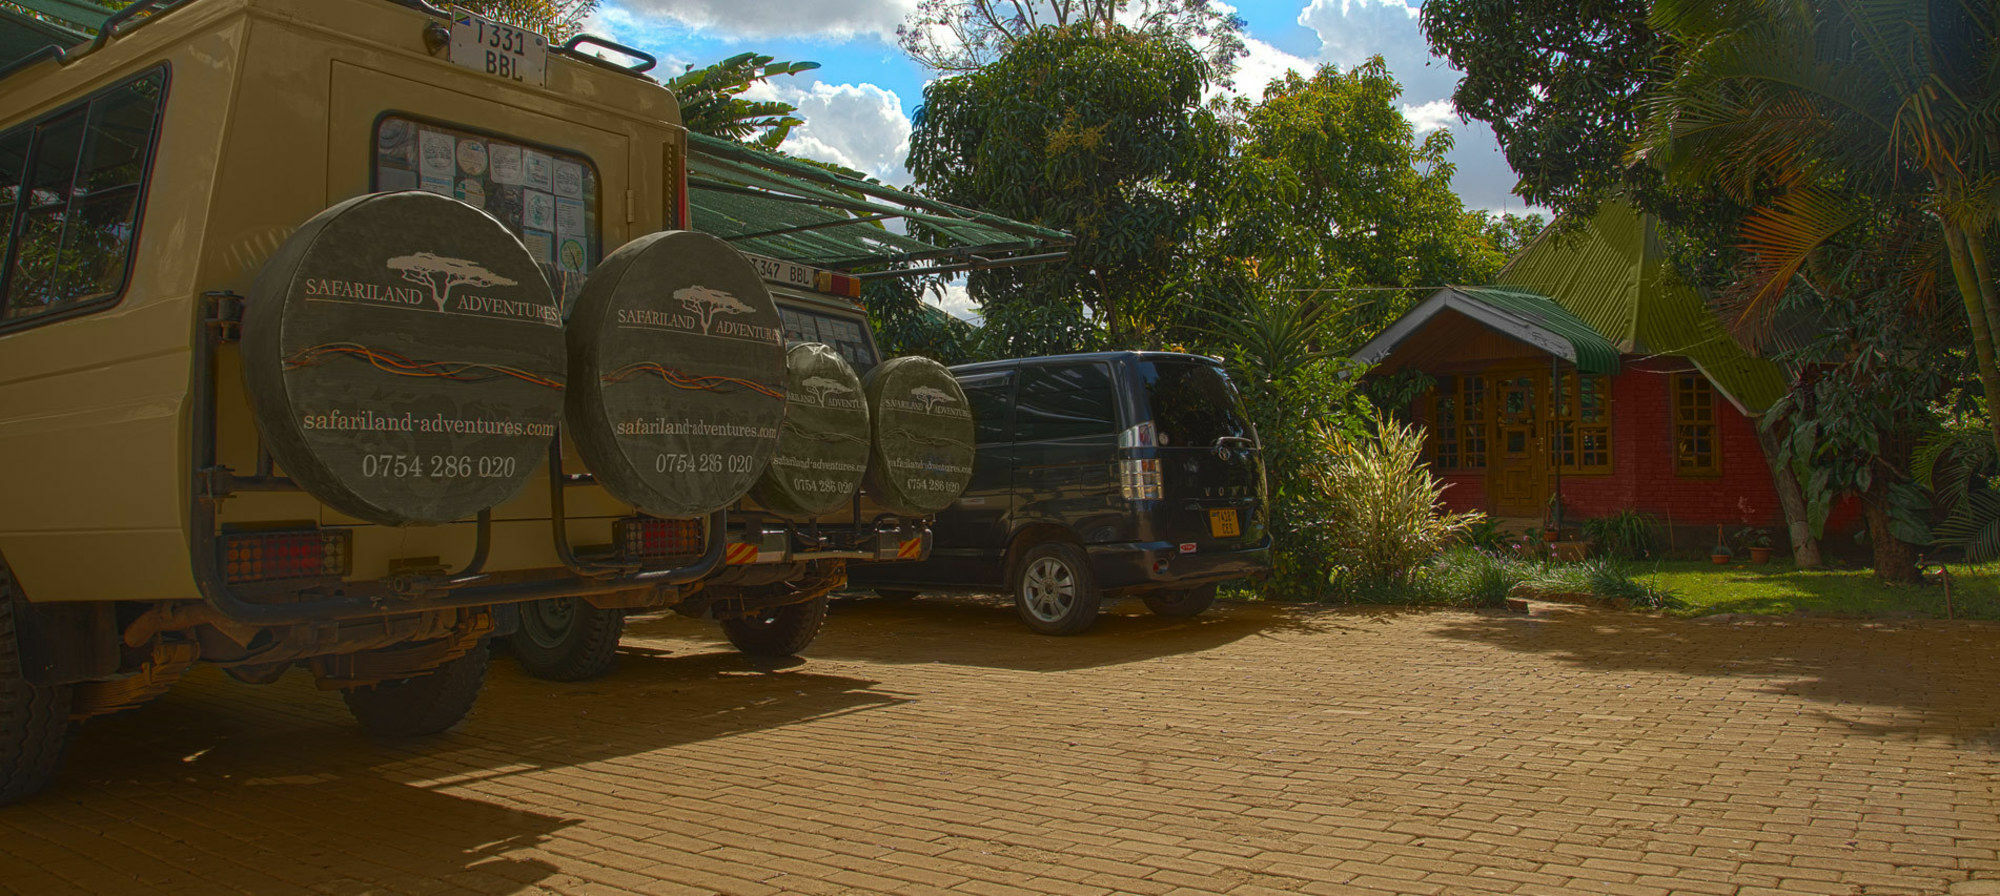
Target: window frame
pixel 112 299
pixel 1565 422
pixel 1675 421
pixel 1467 430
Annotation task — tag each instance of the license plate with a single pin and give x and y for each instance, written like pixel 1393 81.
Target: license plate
pixel 1222 523
pixel 503 51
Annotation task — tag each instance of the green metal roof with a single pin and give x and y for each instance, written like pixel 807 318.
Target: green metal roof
pixel 1615 276
pixel 767 204
pixel 1593 353
pixel 1520 314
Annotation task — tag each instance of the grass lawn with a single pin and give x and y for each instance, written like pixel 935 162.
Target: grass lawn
pixel 1778 588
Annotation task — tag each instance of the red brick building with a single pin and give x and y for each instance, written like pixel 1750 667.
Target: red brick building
pixel 1591 376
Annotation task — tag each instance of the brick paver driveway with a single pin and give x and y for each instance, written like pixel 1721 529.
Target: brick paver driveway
pixel 937 746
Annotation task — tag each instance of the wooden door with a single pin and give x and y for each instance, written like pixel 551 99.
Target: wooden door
pixel 1516 476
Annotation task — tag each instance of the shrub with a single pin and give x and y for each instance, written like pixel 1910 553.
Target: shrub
pixel 1468 577
pixel 1384 521
pixel 1625 535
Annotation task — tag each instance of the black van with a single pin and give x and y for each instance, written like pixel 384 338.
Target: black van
pixel 1098 476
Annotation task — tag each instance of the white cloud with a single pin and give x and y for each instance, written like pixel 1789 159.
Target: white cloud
pixel 861 126
pixel 1431 116
pixel 836 19
pixel 1263 64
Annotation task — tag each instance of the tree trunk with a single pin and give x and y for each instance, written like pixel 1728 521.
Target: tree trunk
pixel 1970 291
pixel 1805 546
pixel 1895 559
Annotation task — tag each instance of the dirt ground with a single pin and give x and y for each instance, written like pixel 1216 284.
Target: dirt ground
pixel 937 746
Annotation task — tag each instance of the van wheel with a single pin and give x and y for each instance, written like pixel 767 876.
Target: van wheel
pixel 777 631
pixel 1054 590
pixel 896 594
pixel 567 639
pixel 1180 603
pixel 34 719
pixel 427 704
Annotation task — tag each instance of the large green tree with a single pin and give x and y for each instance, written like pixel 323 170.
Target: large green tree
pixel 1561 82
pixel 1098 131
pixel 1333 190
pixel 1817 117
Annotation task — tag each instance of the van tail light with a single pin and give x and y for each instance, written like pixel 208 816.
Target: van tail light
pixel 293 554
pixel 641 537
pixel 1139 480
pixel 1141 436
pixel 837 284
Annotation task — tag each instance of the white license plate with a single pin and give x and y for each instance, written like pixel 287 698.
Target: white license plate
pixel 503 51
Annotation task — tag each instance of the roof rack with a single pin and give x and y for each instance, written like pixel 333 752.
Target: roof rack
pixel 76 21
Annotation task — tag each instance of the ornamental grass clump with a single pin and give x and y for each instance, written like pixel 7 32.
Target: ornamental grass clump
pixel 1385 516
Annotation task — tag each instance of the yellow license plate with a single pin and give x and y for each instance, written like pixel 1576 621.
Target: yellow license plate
pixel 1222 523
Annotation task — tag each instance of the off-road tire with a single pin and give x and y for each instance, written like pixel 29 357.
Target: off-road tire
pixel 34 719
pixel 898 595
pixel 1180 603
pixel 1055 592
pixel 427 704
pixel 777 631
pixel 566 639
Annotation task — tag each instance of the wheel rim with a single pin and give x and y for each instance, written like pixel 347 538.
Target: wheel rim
pixel 546 622
pixel 1048 589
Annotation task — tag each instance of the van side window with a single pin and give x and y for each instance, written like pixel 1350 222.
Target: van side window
pixel 69 199
pixel 988 394
pixel 1064 401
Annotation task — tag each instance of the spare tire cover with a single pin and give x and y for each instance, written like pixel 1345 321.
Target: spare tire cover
pixel 823 444
pixel 677 366
pixel 922 455
pixel 404 359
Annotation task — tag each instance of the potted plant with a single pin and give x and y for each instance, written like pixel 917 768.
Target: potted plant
pixel 1721 553
pixel 1552 521
pixel 1757 541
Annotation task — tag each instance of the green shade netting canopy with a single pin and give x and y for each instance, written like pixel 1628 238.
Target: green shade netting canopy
pixel 767 204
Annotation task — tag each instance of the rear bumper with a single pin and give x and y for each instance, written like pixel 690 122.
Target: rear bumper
pixel 1148 566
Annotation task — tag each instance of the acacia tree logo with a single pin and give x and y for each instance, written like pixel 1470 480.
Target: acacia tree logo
pixel 823 388
pixel 706 303
pixel 931 397
pixel 441 275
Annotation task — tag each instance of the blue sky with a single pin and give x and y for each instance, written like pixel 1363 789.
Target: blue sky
pixel 857 105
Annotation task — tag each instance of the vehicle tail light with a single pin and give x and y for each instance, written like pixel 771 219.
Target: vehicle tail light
pixel 1139 480
pixel 1141 436
pixel 267 556
pixel 648 537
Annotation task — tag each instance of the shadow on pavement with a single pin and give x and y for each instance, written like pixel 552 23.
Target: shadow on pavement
pixel 224 786
pixel 983 630
pixel 1937 674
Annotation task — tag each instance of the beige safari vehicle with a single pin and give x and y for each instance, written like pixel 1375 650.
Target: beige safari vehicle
pixel 335 332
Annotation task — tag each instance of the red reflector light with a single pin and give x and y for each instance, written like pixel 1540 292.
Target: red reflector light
pixel 646 537
pixel 838 284
pixel 265 556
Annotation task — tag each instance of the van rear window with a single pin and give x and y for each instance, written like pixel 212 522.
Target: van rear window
pixel 547 197
pixel 1193 404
